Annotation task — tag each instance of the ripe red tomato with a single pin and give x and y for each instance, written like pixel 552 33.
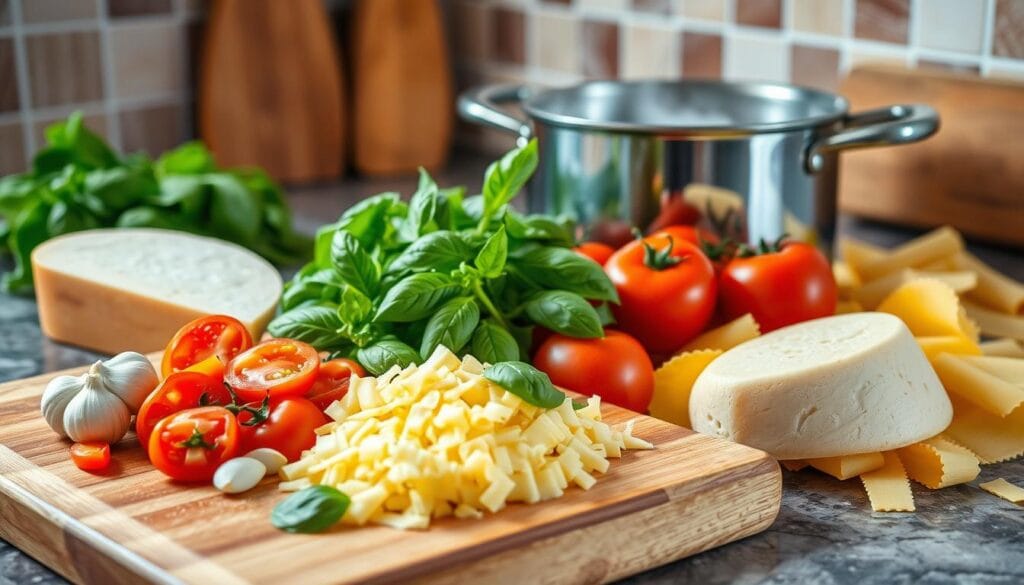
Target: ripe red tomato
pixel 614 367
pixel 779 287
pixel 332 381
pixel 205 345
pixel 278 367
pixel 674 211
pixel 91 456
pixel 688 233
pixel 286 425
pixel 596 251
pixel 667 290
pixel 178 392
pixel 190 445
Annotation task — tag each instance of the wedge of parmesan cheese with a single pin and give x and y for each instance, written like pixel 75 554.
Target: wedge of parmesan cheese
pixel 441 440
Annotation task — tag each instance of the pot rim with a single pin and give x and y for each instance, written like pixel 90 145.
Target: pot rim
pixel 834 107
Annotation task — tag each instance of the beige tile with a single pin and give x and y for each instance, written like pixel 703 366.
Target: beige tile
pixel 951 25
pixel 819 16
pixel 861 55
pixel 702 9
pixel 556 39
pixel 9 100
pixel 12 149
pixel 649 52
pixel 153 130
pixel 64 68
pixel 756 59
pixel 586 5
pixel 97 123
pixel 815 67
pixel 35 11
pixel 470 29
pixel 148 59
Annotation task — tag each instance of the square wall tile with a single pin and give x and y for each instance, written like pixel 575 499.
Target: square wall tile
pixel 653 6
pixel 508 31
pixel 761 13
pixel 586 5
pixel 9 101
pixel 648 52
pixel 702 55
pixel 951 25
pixel 819 16
pixel 882 20
pixel 5 12
pixel 702 9
pixel 600 49
pixel 556 42
pixel 1008 37
pixel 12 149
pixel 564 2
pixel 64 68
pixel 36 11
pixel 123 8
pixel 148 59
pixel 756 59
pixel 815 67
pixel 471 30
pixel 97 123
pixel 153 130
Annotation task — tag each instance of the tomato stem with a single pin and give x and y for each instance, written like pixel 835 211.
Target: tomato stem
pixel 658 259
pixel 197 440
pixel 478 290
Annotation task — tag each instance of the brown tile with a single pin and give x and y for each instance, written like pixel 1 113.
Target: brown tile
pixel 762 13
pixel 509 34
pixel 64 68
pixel 1008 37
pixel 600 42
pixel 33 11
pixel 97 123
pixel 12 149
pixel 138 48
pixel 655 6
pixel 470 28
pixel 702 55
pixel 5 12
pixel 123 8
pixel 815 67
pixel 153 130
pixel 9 86
pixel 882 20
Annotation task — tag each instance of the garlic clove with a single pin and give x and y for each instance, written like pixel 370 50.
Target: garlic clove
pixel 56 397
pixel 130 376
pixel 271 459
pixel 95 414
pixel 238 475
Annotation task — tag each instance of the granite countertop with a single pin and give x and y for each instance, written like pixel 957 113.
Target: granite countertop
pixel 825 532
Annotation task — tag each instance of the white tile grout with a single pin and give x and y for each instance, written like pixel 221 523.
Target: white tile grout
pixel 988 37
pixel 24 89
pixel 109 79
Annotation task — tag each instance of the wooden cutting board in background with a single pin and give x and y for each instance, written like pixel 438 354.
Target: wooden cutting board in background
pixel 689 494
pixel 969 175
pixel 270 89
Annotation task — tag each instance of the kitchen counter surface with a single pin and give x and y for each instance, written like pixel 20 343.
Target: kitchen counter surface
pixel 825 532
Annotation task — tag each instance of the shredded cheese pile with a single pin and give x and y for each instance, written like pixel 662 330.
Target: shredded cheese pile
pixel 440 439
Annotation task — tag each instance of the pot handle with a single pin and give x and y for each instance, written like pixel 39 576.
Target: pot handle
pixel 480 105
pixel 891 125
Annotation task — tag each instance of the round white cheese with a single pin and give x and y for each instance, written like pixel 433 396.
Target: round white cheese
pixel 840 385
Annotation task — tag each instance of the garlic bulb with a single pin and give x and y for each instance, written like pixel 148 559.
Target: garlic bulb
pixel 130 376
pixel 56 397
pixel 96 414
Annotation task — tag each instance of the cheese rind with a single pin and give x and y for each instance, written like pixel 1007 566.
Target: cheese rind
pixel 114 290
pixel 841 385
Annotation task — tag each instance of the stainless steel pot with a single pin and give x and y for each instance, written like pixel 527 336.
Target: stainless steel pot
pixel 758 159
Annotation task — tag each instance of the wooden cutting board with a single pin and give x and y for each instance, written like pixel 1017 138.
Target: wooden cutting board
pixel 689 494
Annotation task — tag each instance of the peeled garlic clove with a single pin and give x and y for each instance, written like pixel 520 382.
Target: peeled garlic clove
pixel 271 459
pixel 58 394
pixel 130 376
pixel 238 475
pixel 94 414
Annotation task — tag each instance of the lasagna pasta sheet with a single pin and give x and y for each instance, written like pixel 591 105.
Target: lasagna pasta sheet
pixel 1004 489
pixel 727 336
pixel 937 463
pixel 848 466
pixel 887 487
pixel 673 383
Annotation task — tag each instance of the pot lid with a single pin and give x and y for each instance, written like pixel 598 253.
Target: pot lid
pixel 686 107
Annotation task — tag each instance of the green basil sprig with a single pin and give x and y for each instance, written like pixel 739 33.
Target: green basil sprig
pixel 526 382
pixel 310 510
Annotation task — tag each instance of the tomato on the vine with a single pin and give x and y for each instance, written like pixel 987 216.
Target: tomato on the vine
pixel 596 251
pixel 615 367
pixel 284 424
pixel 278 367
pixel 667 290
pixel 205 345
pixel 780 284
pixel 332 381
pixel 91 456
pixel 190 445
pixel 180 391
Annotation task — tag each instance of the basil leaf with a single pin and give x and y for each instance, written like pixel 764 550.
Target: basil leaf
pixel 317 326
pixel 561 268
pixel 539 227
pixel 235 213
pixel 473 208
pixel 355 307
pixel 504 178
pixel 564 312
pixel 604 313
pixel 366 220
pixel 28 230
pixel 422 207
pixel 416 296
pixel 354 264
pixel 451 326
pixel 490 261
pixel 491 343
pixel 526 382
pixel 441 250
pixel 382 355
pixel 310 510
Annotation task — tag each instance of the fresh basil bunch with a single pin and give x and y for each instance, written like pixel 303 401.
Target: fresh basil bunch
pixel 390 281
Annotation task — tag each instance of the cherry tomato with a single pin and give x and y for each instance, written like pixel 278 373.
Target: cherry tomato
pixel 779 286
pixel 614 367
pixel 285 424
pixel 91 456
pixel 190 445
pixel 674 211
pixel 667 291
pixel 596 251
pixel 280 367
pixel 332 381
pixel 178 392
pixel 205 345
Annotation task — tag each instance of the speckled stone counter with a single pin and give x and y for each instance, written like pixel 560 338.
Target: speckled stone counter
pixel 825 532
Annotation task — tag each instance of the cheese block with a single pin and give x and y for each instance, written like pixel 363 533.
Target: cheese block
pixel 842 385
pixel 114 290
